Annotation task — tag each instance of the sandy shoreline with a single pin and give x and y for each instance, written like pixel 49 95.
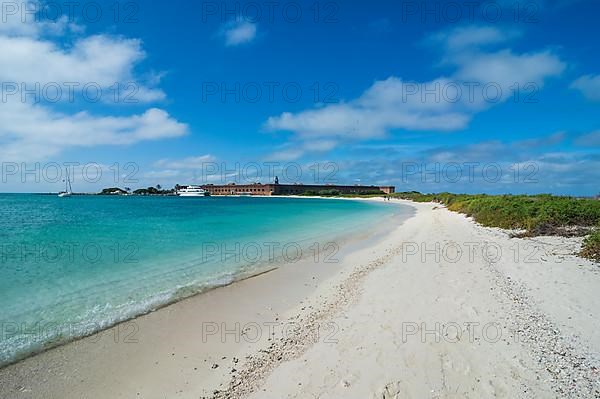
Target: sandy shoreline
pixel 134 343
pixel 401 315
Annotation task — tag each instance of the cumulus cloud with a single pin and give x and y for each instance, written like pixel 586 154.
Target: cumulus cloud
pixel 442 104
pixel 589 139
pixel 553 139
pixel 471 36
pixel 32 132
pixel 26 18
pixel 294 151
pixel 33 56
pixel 507 68
pixel 100 60
pixel 589 86
pixel 239 33
pixel 286 154
pixel 367 117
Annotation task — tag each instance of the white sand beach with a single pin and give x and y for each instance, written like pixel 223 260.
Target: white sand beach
pixel 435 307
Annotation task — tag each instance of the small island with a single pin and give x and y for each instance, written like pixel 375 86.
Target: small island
pixel 158 190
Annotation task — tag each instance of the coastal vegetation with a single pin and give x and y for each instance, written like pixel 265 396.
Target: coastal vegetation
pixel 591 246
pixel 153 191
pixel 141 191
pixel 112 191
pixel 533 215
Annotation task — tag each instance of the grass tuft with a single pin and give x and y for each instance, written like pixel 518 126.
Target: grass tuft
pixel 591 247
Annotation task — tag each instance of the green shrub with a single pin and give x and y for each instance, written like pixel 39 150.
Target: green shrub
pixel 591 246
pixel 537 214
pixel 329 193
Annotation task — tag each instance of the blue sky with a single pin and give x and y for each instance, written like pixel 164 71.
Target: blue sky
pixel 449 97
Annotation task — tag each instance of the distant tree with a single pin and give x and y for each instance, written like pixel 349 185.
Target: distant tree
pixel 326 193
pixel 112 191
pixel 158 187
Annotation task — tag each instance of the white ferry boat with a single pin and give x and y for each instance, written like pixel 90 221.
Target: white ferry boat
pixel 192 191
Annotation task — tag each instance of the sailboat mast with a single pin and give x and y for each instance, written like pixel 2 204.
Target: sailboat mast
pixel 68 188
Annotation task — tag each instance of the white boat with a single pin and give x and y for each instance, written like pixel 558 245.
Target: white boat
pixel 192 191
pixel 68 189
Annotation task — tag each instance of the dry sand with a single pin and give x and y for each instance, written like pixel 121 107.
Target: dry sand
pixel 437 307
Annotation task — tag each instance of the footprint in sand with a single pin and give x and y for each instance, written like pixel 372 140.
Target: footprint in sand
pixel 393 390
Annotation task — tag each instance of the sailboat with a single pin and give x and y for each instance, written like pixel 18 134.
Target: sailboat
pixel 68 190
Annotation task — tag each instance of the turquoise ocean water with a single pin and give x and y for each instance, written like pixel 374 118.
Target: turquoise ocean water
pixel 71 266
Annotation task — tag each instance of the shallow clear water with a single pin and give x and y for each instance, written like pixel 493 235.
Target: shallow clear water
pixel 71 266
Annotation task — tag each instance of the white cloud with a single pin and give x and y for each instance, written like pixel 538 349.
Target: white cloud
pixel 26 18
pixel 589 86
pixel 553 139
pixel 33 132
pixel 442 104
pixel 292 152
pixel 357 120
pixel 36 131
pixel 507 68
pixel 589 140
pixel 471 36
pixel 102 60
pixel 286 155
pixel 239 33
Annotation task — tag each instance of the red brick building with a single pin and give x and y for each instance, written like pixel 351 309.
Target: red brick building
pixel 290 189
